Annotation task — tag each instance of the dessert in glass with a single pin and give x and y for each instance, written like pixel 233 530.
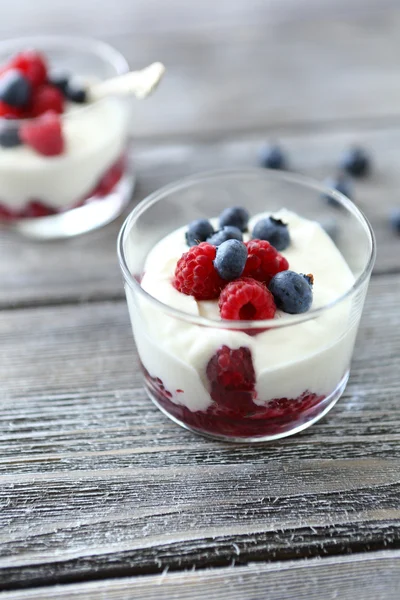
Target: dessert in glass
pixel 244 310
pixel 63 158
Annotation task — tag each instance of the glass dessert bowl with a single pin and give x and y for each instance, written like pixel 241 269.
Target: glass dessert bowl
pixel 63 160
pixel 245 329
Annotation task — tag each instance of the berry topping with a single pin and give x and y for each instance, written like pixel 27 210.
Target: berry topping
pixel 263 261
pixel 75 93
pixel 341 183
pixel 195 274
pixel 272 157
pixel 198 231
pixel 355 161
pixel 246 299
pixel 292 292
pixel 44 134
pixel 15 89
pixel 46 97
pixel 60 80
pixel 230 259
pixel 226 233
pixel 395 219
pixel 232 369
pixel 33 65
pixel 274 231
pixel 9 135
pixel 9 112
pixel 237 216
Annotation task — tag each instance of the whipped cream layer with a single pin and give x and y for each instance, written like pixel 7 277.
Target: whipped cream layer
pixel 310 356
pixel 95 136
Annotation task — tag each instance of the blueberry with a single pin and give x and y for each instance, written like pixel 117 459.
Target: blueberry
pixel 15 89
pixel 224 234
pixel 355 161
pixel 395 219
pixel 9 135
pixel 60 79
pixel 237 216
pixel 292 292
pixel 272 157
pixel 230 259
pixel 341 183
pixel 198 231
pixel 75 93
pixel 273 231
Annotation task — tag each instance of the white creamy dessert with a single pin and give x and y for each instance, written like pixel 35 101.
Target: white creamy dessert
pixel 310 356
pixel 95 137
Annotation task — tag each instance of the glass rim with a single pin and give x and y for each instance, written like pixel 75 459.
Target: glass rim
pixel 105 51
pixel 296 179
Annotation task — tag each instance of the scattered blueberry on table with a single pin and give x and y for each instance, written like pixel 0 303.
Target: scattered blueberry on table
pixel 273 157
pixel 355 161
pixel 395 220
pixel 341 183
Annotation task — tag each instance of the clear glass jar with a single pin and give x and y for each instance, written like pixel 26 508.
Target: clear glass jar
pixel 89 183
pixel 301 362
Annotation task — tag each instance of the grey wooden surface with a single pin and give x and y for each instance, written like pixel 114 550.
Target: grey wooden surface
pixel 100 495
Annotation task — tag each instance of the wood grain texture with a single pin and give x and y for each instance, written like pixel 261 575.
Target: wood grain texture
pixel 86 268
pixel 376 574
pixel 96 482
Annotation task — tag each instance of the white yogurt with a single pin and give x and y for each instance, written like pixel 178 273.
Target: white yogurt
pixel 311 356
pixel 95 137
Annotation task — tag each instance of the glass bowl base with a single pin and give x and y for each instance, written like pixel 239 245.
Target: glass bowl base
pixel 246 429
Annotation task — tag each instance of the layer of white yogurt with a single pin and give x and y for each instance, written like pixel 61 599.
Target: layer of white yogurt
pixel 95 137
pixel 310 356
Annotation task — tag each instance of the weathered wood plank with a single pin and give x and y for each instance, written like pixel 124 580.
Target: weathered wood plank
pixel 96 482
pixel 86 267
pixel 376 574
pixel 258 65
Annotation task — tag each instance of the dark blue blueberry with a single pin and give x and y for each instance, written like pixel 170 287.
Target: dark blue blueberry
pixel 60 79
pixel 9 135
pixel 237 216
pixel 341 183
pixel 272 157
pixel 292 292
pixel 15 89
pixel 230 259
pixel 395 219
pixel 75 93
pixel 198 231
pixel 273 231
pixel 355 161
pixel 227 233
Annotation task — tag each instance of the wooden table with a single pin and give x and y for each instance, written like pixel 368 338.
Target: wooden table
pixel 101 496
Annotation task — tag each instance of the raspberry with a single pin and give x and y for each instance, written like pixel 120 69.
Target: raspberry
pixel 35 209
pixel 6 214
pixel 263 261
pixel 232 369
pixel 10 112
pixel 246 299
pixel 195 274
pixel 46 97
pixel 44 134
pixel 32 64
pixel 110 178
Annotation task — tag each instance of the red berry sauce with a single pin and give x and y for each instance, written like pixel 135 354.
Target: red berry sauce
pixel 233 412
pixel 35 208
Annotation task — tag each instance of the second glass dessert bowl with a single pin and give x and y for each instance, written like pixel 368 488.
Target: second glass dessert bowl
pixel 63 161
pixel 239 378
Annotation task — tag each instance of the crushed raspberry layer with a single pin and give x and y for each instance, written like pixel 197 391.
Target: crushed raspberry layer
pixel 233 411
pixel 37 208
